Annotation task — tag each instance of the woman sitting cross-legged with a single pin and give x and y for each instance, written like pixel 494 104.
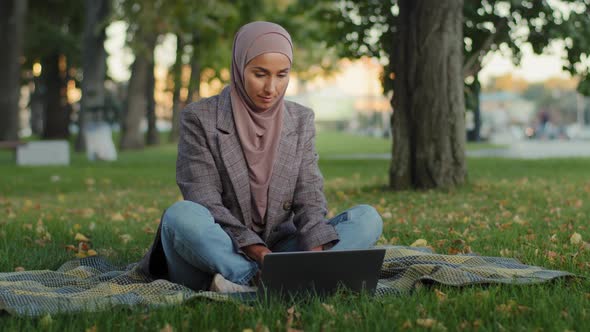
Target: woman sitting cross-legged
pixel 248 171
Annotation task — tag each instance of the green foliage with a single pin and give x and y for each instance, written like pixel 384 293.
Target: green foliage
pixel 368 27
pixel 53 27
pixel 308 23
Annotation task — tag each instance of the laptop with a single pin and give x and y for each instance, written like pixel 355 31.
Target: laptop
pixel 320 273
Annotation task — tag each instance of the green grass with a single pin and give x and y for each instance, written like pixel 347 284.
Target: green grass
pixel 523 209
pixel 336 143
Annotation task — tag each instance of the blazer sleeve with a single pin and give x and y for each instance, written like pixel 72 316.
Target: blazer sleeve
pixel 309 201
pixel 199 181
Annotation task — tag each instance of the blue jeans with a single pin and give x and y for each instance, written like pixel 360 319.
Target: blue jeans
pixel 196 247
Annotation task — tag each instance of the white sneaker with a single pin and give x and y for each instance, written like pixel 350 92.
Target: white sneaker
pixel 222 285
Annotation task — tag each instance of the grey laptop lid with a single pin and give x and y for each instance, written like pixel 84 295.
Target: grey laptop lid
pixel 321 272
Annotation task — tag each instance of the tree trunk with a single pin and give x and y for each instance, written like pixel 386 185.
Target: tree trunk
pixel 37 106
pixel 194 84
pixel 137 104
pixel 12 24
pixel 429 108
pixel 475 89
pixel 176 103
pixel 57 112
pixel 153 137
pixel 93 66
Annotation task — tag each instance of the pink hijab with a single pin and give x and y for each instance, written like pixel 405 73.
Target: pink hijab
pixel 259 132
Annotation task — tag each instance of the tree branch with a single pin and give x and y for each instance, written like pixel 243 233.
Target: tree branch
pixel 473 64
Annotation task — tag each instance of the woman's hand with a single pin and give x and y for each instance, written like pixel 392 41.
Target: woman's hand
pixel 318 248
pixel 256 252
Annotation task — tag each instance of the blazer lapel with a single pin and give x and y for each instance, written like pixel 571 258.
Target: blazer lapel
pixel 232 155
pixel 286 156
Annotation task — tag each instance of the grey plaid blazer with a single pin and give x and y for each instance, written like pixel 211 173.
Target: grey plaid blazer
pixel 211 170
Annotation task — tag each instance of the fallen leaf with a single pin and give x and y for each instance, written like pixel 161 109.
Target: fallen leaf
pixel 81 238
pixel 93 328
pixel 19 269
pixel 440 295
pixel 83 246
pixel 426 322
pixel 419 243
pixel 329 308
pixel 92 252
pixel 261 328
pixel 407 325
pixel 70 247
pixel 46 321
pixel 125 238
pixel 87 213
pixel 117 217
pixel 576 238
pixel 167 328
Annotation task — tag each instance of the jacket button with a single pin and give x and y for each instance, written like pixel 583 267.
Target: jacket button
pixel 287 206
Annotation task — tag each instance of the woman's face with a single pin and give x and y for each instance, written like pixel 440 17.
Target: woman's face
pixel 266 78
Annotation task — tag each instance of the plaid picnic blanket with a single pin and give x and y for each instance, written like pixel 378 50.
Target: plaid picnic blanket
pixel 93 284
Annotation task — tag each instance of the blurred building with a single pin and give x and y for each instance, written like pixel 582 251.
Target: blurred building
pixel 505 116
pixel 352 99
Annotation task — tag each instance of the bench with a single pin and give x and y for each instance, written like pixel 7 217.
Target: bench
pixel 52 152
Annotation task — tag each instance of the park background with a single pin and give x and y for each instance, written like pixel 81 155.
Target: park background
pixel 134 64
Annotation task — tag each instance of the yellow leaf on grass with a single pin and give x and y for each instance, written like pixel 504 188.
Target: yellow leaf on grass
pixel 440 295
pixel 19 269
pixel 407 325
pixel 329 308
pixel 87 213
pixel 419 243
pixel 125 238
pixel 167 328
pixel 70 247
pixel 117 217
pixel 46 321
pixel 426 322
pixel 93 328
pixel 430 323
pixel 92 252
pixel 81 238
pixel 576 238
